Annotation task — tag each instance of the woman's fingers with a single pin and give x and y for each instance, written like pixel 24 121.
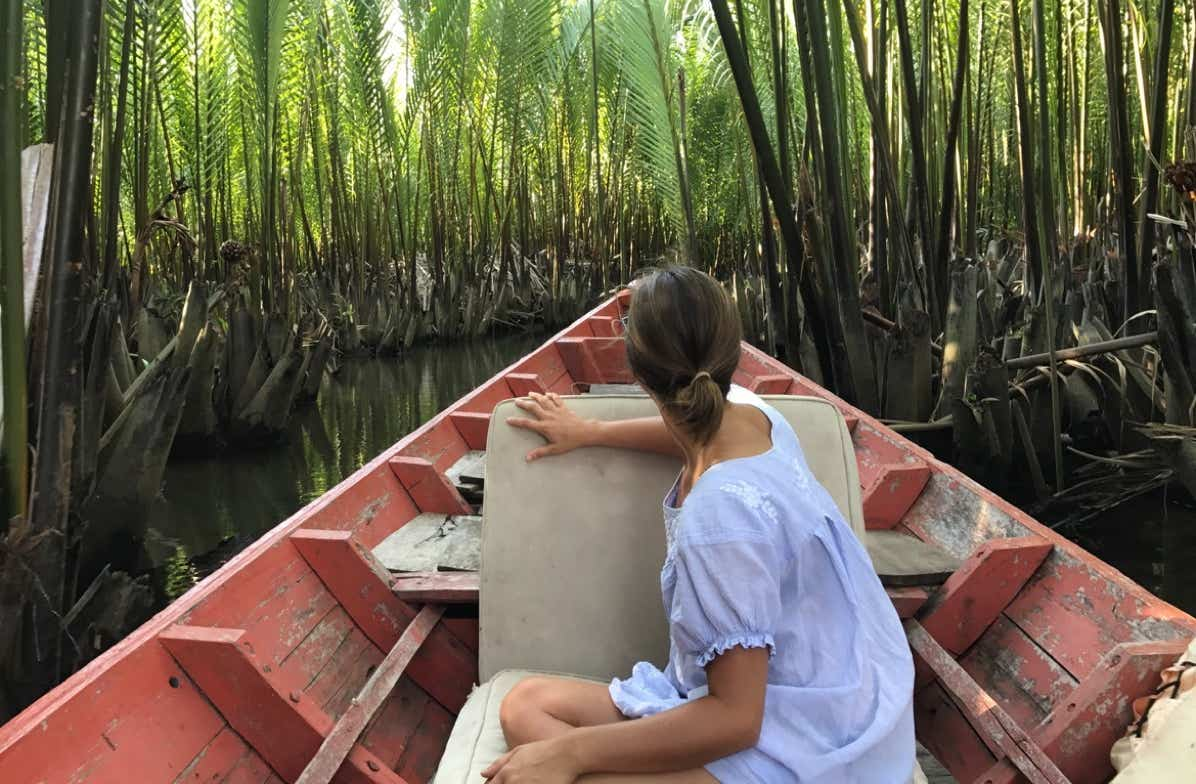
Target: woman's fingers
pixel 544 451
pixel 530 405
pixel 497 765
pixel 534 425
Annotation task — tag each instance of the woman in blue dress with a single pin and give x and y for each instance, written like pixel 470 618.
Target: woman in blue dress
pixel 787 661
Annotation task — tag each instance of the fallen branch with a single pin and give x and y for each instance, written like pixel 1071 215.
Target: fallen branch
pixel 1087 350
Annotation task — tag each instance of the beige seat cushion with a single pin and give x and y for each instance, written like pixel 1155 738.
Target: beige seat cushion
pixel 572 546
pixel 477 738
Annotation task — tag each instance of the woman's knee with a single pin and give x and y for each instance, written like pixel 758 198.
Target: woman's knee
pixel 526 698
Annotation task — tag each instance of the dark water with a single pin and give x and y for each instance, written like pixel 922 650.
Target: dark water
pixel 1152 539
pixel 212 508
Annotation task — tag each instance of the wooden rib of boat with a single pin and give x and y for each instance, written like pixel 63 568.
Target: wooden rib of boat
pixel 304 651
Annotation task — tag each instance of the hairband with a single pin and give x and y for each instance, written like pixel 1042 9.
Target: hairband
pixel 701 374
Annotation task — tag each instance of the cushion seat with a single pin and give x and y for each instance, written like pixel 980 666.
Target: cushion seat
pixel 477 738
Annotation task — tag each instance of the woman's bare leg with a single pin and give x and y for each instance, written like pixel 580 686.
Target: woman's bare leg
pixel 542 707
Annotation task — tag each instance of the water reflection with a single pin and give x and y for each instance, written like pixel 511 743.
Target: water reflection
pixel 211 508
pixel 1152 540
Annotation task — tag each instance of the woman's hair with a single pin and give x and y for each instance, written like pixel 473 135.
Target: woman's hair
pixel 683 336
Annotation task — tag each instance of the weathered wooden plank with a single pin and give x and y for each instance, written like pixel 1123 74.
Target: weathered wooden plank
pixel 340 741
pixel 439 587
pixel 444 667
pixel 473 427
pixel 286 730
pixel 983 586
pixel 217 760
pixel 771 384
pixel 996 728
pixel 605 326
pixel 391 730
pixel 523 384
pixel 422 754
pixel 1017 673
pixel 907 601
pixel 469 470
pixel 575 352
pixel 890 491
pixel 433 542
pixel 1100 709
pixel 430 489
pixel 902 560
pixel 942 728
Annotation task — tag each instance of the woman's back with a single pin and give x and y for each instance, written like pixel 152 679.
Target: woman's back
pixel 759 554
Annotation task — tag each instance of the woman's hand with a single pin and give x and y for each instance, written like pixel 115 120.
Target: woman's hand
pixel 550 417
pixel 542 762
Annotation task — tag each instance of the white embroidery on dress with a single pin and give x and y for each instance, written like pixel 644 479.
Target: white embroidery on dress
pixel 751 495
pixel 802 478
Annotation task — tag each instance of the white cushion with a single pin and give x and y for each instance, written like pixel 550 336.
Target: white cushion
pixel 477 738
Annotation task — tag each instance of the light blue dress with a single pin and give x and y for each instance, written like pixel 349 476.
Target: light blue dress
pixel 759 556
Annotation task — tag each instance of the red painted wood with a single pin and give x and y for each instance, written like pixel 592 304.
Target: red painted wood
pixel 1018 673
pixel 251 769
pixel 464 629
pixel 943 730
pixel 304 663
pixel 996 728
pixel 428 487
pixel 907 601
pixel 277 605
pixel 217 760
pixel 373 508
pixel 438 443
pixel 389 733
pixel 473 426
pixel 423 751
pixel 285 732
pixel 439 587
pixel 347 668
pixel 576 353
pixel 891 492
pixel 349 727
pixel 1099 710
pixel 771 384
pixel 546 364
pixel 523 384
pixel 605 326
pixel 980 589
pixel 444 668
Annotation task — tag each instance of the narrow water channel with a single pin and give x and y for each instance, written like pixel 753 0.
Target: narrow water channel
pixel 211 508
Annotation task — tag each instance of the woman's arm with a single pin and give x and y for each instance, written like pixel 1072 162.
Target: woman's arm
pixel 565 430
pixel 722 723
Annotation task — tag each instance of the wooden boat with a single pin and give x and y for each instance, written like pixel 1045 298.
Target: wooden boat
pixel 305 659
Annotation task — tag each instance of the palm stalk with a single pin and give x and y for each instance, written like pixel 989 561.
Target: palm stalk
pixel 12 305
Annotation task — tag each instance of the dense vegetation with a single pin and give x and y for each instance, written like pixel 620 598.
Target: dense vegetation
pixel 242 189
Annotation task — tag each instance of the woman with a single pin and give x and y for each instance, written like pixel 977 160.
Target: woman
pixel 787 661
